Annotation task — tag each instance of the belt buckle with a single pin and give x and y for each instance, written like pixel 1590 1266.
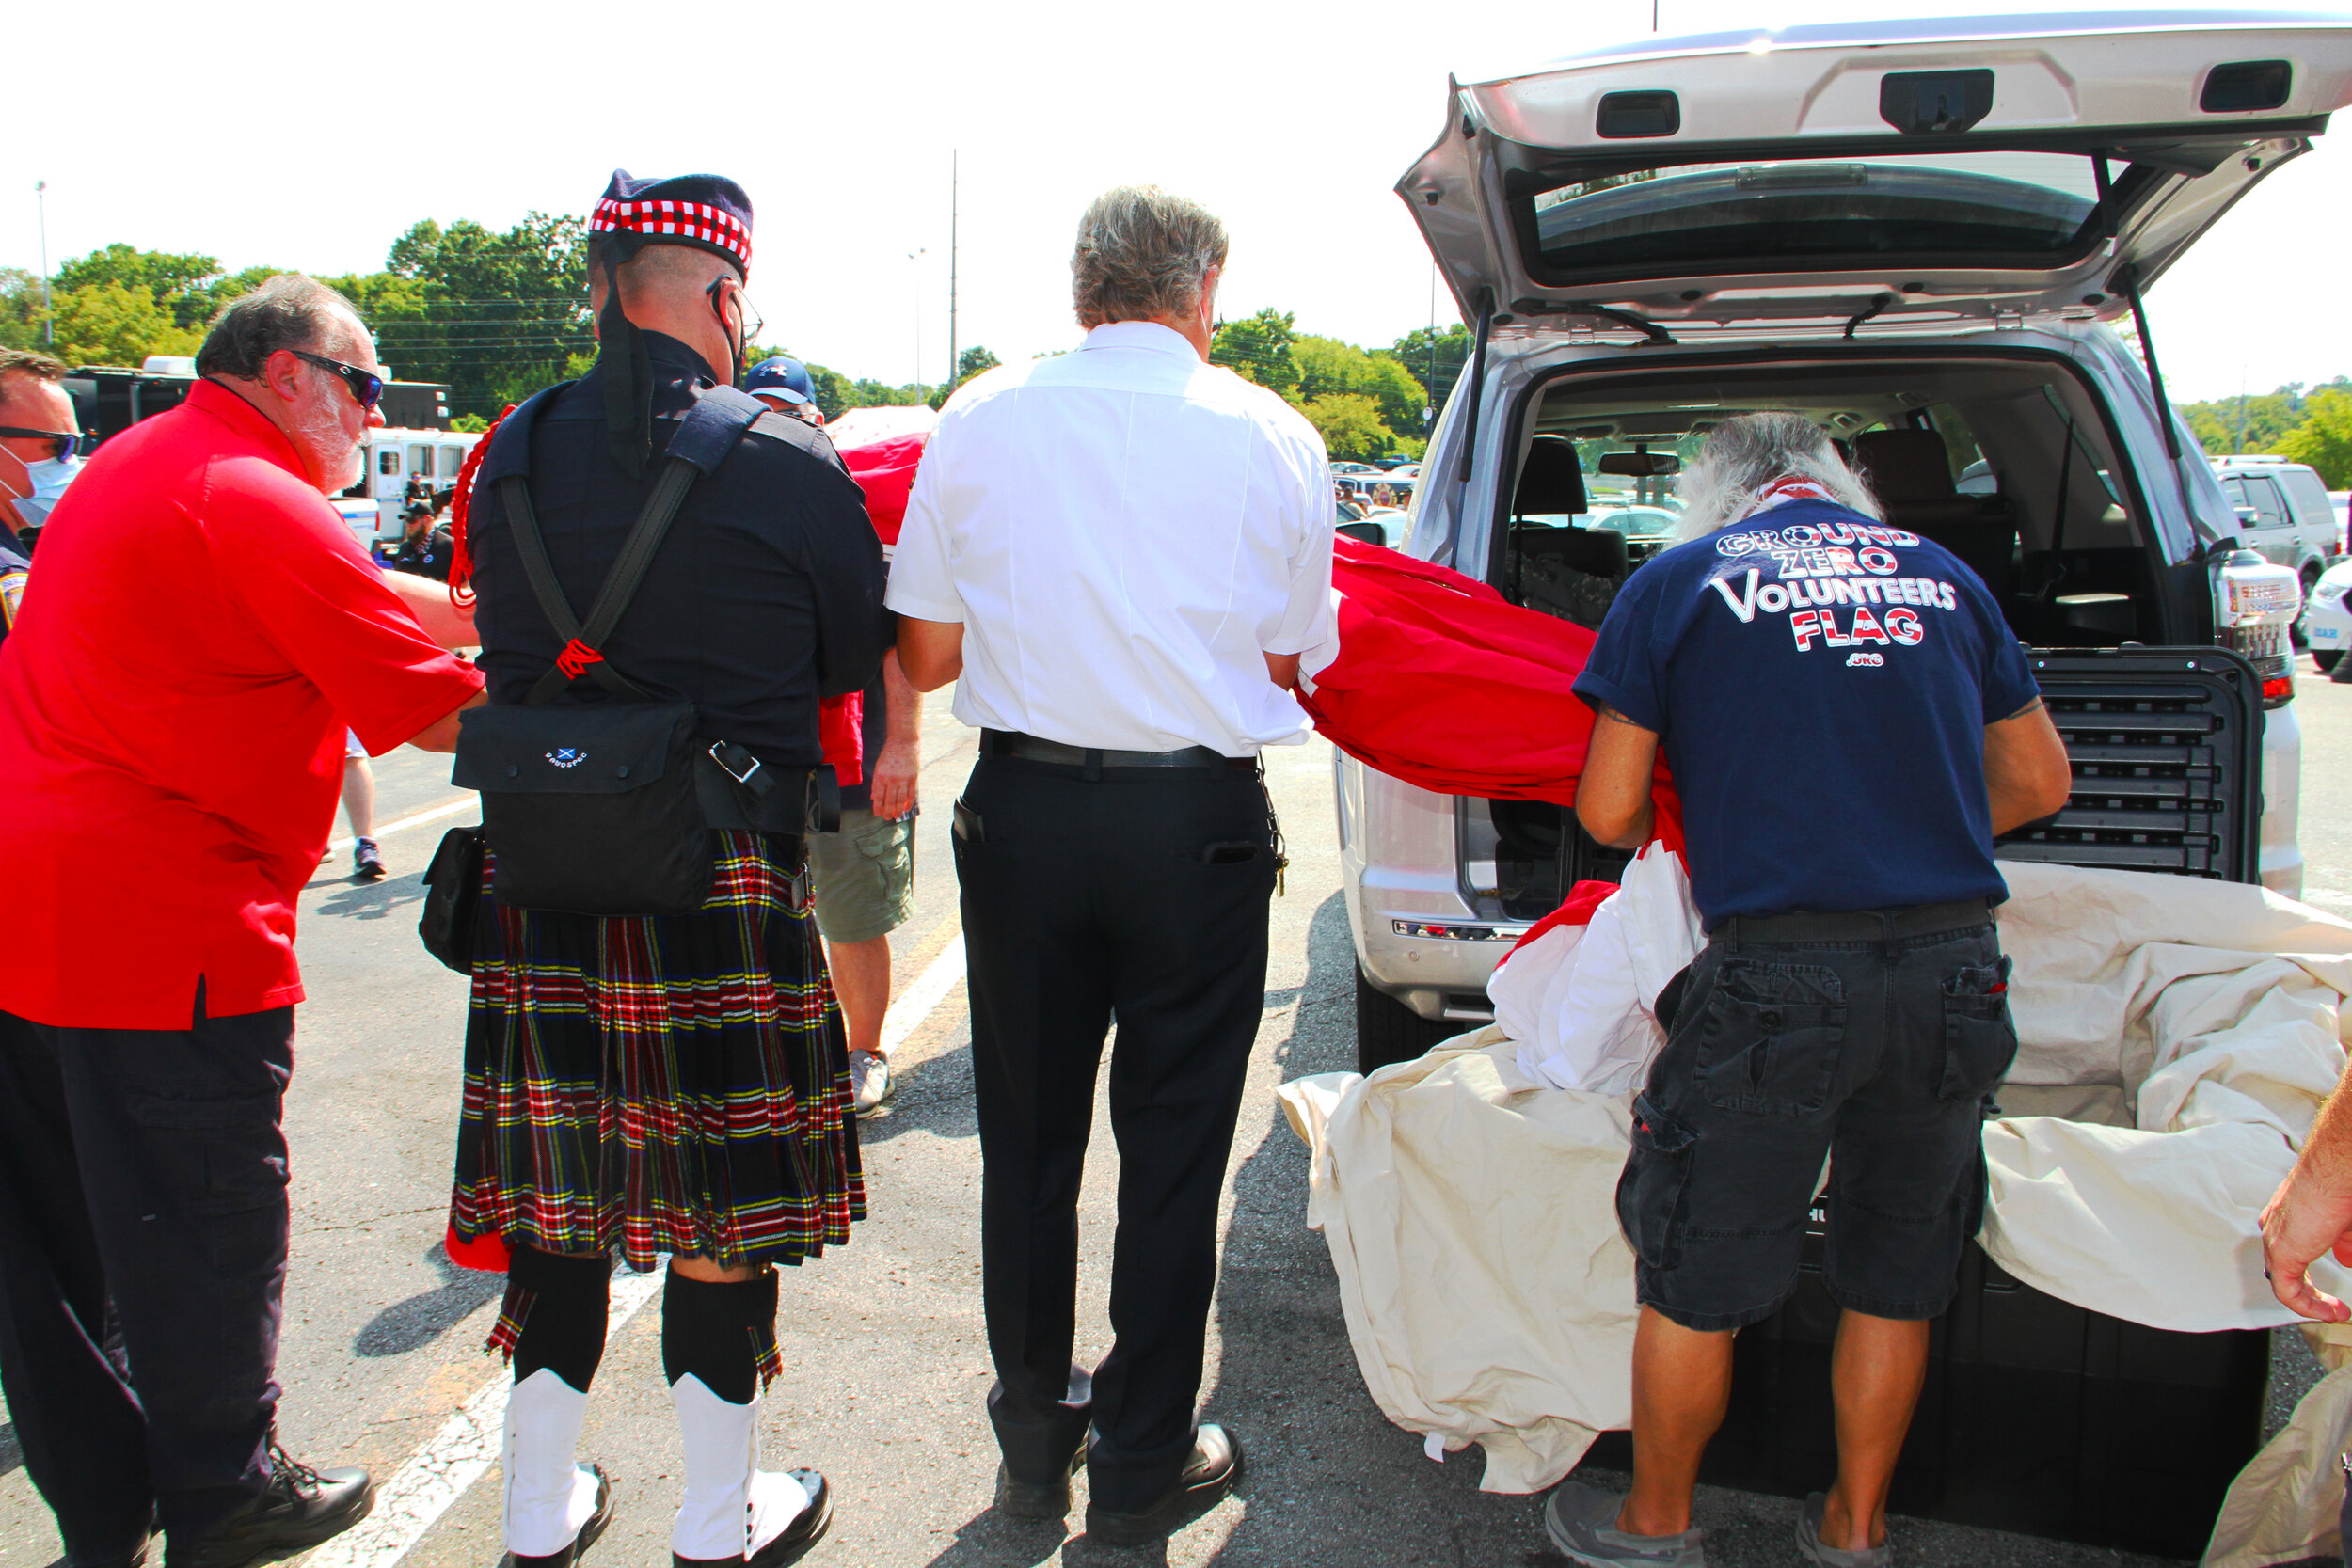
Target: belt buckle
pixel 744 778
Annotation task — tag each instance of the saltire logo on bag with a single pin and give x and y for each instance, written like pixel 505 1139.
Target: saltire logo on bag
pixel 567 756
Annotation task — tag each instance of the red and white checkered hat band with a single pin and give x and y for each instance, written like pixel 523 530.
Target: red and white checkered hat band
pixel 687 220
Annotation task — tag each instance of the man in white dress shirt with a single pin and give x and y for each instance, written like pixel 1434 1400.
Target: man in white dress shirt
pixel 1122 551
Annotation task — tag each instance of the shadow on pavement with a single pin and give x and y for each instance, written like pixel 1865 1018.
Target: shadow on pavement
pixel 422 1319
pixel 372 900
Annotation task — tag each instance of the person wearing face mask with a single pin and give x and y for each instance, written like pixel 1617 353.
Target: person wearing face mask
pixel 182 682
pixel 711 1031
pixel 38 434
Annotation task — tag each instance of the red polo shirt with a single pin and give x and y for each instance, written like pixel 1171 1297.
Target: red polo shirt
pixel 172 702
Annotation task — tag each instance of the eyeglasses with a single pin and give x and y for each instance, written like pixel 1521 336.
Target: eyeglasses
pixel 365 388
pixel 61 442
pixel 749 323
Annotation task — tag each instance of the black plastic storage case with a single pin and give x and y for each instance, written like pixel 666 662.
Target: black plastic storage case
pixel 2039 1416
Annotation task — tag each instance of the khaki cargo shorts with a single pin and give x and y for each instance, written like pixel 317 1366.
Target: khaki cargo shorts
pixel 864 875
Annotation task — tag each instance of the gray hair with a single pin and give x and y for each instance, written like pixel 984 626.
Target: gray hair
pixel 1749 451
pixel 289 312
pixel 1142 253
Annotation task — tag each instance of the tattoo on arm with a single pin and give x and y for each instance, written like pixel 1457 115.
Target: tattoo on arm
pixel 2030 708
pixel 1616 718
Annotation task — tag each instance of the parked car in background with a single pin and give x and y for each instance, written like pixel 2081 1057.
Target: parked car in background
pixel 2326 626
pixel 2284 512
pixel 393 454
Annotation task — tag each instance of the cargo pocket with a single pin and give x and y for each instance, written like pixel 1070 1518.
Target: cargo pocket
pixel 1770 1038
pixel 1649 1192
pixel 1979 1039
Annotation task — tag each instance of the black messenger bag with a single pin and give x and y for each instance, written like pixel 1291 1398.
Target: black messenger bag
pixel 590 807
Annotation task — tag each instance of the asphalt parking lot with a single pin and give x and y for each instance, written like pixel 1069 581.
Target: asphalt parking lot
pixel 886 1366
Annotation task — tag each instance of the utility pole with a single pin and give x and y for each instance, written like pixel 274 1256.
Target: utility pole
pixel 952 366
pixel 48 321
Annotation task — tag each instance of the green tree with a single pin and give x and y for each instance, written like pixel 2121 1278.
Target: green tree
pixel 1350 425
pixel 472 424
pixel 116 323
pixel 1259 348
pixel 1326 366
pixel 1436 359
pixel 973 362
pixel 2324 439
pixel 496 315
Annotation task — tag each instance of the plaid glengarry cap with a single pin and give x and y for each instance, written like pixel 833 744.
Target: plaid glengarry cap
pixel 706 210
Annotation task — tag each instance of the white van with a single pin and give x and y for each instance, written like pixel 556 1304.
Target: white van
pixel 392 455
pixel 1921 232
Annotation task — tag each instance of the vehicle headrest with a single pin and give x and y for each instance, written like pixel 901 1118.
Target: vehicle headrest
pixel 1551 481
pixel 1904 464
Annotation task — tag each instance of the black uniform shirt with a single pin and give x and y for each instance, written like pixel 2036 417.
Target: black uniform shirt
pixel 765 595
pixel 425 554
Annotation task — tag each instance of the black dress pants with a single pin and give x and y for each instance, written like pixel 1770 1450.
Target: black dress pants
pixel 143 1230
pixel 1139 895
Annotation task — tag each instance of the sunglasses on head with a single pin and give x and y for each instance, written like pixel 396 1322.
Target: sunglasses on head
pixel 365 388
pixel 61 443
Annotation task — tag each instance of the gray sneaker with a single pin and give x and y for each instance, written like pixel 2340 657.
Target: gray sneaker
pixel 1582 1522
pixel 1809 1542
pixel 869 1079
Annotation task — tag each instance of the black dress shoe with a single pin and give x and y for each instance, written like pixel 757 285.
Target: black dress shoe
pixel 804 1530
pixel 1208 1475
pixel 137 1558
pixel 299 1509
pixel 1036 1499
pixel 580 1542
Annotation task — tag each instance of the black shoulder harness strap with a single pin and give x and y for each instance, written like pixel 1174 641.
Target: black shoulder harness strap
pixel 708 433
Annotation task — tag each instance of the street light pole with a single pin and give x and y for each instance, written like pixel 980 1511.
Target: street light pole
pixel 48 321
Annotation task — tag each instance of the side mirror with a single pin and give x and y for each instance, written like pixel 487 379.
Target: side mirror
pixel 1363 533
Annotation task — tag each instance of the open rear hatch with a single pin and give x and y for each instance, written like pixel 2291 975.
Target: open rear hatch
pixel 1921 172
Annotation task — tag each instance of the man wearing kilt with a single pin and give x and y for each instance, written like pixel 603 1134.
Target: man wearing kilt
pixel 666 1084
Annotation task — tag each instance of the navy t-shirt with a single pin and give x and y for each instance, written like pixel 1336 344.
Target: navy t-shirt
pixel 1822 684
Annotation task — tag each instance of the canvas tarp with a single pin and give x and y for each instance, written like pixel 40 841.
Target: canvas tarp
pixel 2177 1036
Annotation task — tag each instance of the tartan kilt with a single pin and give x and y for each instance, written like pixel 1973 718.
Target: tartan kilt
pixel 675 1083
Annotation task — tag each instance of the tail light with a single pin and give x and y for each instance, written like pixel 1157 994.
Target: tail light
pixel 2259 602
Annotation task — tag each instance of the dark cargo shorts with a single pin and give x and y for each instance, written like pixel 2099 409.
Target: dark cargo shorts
pixel 1879 1055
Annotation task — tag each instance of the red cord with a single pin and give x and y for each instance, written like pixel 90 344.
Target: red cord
pixel 460 507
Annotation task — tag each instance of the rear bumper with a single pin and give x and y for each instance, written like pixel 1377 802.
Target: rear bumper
pixel 1417 937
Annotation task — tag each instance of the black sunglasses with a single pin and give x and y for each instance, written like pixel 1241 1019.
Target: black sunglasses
pixel 61 443
pixel 365 388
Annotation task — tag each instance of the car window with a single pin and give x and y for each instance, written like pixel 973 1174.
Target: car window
pixel 2308 495
pixel 2270 508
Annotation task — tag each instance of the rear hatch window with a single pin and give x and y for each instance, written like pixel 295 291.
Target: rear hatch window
pixel 2020 209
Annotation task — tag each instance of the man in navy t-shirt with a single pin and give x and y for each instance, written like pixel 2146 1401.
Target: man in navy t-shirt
pixel 1849 722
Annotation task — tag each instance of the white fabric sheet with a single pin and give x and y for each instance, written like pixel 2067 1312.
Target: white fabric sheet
pixel 2177 1038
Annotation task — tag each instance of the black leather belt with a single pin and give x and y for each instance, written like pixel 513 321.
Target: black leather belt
pixel 1915 920
pixel 1029 747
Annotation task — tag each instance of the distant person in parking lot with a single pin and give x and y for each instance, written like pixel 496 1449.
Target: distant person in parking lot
pixel 1851 1000
pixel 205 626
pixel 38 438
pixel 424 547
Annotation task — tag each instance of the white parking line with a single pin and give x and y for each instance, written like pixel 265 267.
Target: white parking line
pixel 910 1009
pixel 449 809
pixel 462 1452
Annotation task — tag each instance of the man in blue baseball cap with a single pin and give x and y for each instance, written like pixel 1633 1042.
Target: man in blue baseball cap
pixel 787 382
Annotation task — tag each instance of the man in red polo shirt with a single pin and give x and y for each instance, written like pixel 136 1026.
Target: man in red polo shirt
pixel 178 683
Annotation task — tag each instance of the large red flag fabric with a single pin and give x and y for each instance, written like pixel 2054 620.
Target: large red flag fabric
pixel 1443 683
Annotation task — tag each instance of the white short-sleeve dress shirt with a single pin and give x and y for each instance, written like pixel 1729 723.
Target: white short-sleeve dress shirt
pixel 1125 532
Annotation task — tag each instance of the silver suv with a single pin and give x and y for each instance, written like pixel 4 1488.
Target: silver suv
pixel 1920 233
pixel 2283 512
